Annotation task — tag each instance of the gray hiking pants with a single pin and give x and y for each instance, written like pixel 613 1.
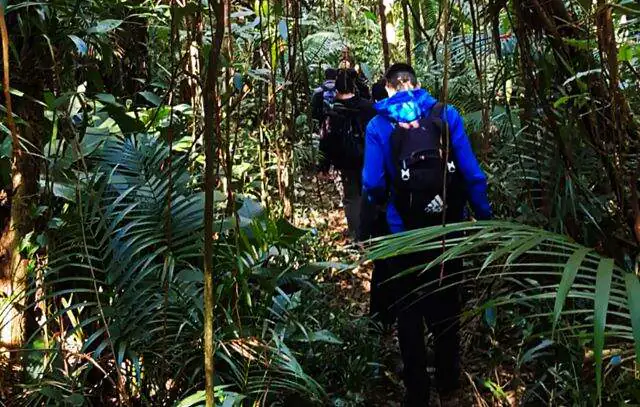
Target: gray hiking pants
pixel 352 186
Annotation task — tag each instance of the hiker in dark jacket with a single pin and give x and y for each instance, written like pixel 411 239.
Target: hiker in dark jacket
pixel 403 168
pixel 342 142
pixel 324 93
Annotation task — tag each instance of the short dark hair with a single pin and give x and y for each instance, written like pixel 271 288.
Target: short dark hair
pixel 399 74
pixel 378 90
pixel 346 81
pixel 330 73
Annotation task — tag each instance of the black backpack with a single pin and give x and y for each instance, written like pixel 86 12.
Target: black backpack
pixel 345 136
pixel 419 154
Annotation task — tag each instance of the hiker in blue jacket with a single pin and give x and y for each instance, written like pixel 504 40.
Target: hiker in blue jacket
pixel 404 164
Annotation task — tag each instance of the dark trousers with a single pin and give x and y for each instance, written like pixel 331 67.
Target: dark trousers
pixel 352 188
pixel 437 307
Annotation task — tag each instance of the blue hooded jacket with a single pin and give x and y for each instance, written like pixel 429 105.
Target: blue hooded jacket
pixel 404 107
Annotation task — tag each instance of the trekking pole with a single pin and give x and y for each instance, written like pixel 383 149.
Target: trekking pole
pixel 443 98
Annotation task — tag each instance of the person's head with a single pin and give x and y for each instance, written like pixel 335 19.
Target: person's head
pixel 330 74
pixel 346 81
pixel 379 91
pixel 399 77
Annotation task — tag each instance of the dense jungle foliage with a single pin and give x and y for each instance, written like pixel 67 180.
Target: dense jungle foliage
pixel 164 240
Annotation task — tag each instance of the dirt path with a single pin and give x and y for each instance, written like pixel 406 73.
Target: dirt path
pixel 319 207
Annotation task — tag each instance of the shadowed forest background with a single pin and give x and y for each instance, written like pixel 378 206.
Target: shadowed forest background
pixel 165 239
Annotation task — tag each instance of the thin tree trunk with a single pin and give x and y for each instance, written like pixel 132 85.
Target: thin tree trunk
pixel 383 27
pixel 417 26
pixel 407 31
pixel 211 135
pixel 194 67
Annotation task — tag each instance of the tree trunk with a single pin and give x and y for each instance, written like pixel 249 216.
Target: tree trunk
pixel 383 28
pixel 407 31
pixel 194 67
pixel 211 136
pixel 25 170
pixel 417 26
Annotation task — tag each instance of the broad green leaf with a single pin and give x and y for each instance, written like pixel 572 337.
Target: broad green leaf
pixel 603 290
pixel 104 26
pixel 126 123
pixel 151 97
pixel 568 276
pixel 633 299
pixel 81 46
pixel 64 190
pixel 107 98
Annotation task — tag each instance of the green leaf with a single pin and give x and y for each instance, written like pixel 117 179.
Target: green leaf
pixel 322 335
pixel 371 16
pixel 151 97
pixel 191 275
pixel 64 190
pixel 126 123
pixel 75 399
pixel 568 276
pixel 626 52
pixel 81 46
pixel 532 353
pixel 6 149
pixel 194 399
pixel 603 290
pixel 55 223
pixel 633 299
pixel 104 26
pixel 108 99
pixel 586 45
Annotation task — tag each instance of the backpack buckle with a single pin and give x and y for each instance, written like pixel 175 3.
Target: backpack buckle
pixel 451 167
pixel 404 174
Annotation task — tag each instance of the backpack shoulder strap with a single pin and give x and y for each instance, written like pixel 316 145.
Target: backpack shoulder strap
pixel 436 114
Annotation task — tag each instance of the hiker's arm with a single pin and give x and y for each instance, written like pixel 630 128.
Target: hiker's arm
pixel 474 177
pixel 373 180
pixel 373 184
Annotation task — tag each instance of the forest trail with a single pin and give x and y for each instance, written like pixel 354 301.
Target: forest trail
pixel 319 207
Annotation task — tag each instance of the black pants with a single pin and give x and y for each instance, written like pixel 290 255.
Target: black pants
pixel 439 308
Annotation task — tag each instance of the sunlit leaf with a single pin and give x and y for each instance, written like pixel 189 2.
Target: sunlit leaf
pixel 104 26
pixel 81 46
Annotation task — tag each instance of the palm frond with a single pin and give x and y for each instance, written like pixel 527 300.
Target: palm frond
pixel 581 287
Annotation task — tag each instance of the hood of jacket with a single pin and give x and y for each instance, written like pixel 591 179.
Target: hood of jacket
pixel 405 106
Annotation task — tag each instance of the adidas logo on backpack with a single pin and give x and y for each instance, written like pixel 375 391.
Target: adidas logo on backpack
pixel 435 206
